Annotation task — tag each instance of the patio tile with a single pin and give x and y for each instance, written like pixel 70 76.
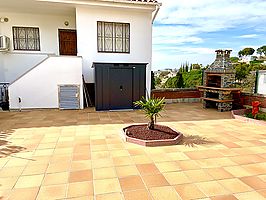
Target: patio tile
pixel 141 159
pixel 218 173
pixel 8 183
pixel 235 185
pixel 106 186
pixel 56 178
pixel 237 171
pixel 29 181
pixel 79 176
pixel 212 188
pixel 24 193
pixel 189 191
pixel 34 169
pixel 167 166
pixel 52 192
pixel 11 171
pixel 254 182
pixel 159 193
pixel 224 197
pixel 146 169
pixel 58 167
pixel 104 173
pixel 80 165
pixel 124 171
pixel 188 165
pixel 100 163
pixel 198 175
pixel 137 195
pixel 175 178
pixel 131 183
pixel 155 180
pixel 120 161
pixel 249 195
pixel 111 196
pixel 80 189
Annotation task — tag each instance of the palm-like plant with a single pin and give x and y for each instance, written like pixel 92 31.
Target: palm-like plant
pixel 152 108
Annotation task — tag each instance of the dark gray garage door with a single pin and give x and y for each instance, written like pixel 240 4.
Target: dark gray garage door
pixel 117 86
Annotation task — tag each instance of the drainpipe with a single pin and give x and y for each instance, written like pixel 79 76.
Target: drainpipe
pixel 158 6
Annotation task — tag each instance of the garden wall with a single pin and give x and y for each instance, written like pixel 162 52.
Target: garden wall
pixel 247 99
pixel 177 95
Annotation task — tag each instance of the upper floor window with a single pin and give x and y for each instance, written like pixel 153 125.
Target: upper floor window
pixel 113 37
pixel 26 38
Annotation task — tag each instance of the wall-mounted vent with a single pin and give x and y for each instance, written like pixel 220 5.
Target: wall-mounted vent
pixel 4 43
pixel 69 97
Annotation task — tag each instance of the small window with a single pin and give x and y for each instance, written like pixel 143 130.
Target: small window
pixel 26 38
pixel 113 37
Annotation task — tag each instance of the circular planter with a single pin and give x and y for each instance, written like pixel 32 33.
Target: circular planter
pixel 149 142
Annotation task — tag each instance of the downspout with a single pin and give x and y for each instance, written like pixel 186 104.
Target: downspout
pixel 158 6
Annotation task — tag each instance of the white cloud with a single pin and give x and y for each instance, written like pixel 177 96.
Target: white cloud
pixel 249 36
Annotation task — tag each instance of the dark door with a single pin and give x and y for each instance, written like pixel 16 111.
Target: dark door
pixel 67 42
pixel 120 88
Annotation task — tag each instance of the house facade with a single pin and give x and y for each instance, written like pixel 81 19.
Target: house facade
pixel 64 53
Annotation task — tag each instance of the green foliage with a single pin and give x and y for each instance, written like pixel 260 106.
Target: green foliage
pixel 246 52
pixel 152 108
pixel 157 81
pixel 175 82
pixel 192 78
pixel 242 70
pixel 152 81
pixel 234 59
pixel 259 116
pixel 262 50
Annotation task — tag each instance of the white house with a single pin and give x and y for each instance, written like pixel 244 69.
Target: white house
pixel 46 46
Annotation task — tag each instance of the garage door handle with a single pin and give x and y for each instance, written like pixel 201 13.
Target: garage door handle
pixel 121 87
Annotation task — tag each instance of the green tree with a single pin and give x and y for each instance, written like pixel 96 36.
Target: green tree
pixel 246 52
pixel 234 59
pixel 242 70
pixel 152 108
pixel 152 80
pixel 179 80
pixel 192 78
pixel 262 50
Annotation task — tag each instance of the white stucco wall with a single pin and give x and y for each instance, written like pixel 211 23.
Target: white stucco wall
pixel 17 62
pixel 262 82
pixel 140 37
pixel 39 88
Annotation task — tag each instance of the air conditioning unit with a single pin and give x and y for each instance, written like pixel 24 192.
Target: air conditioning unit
pixel 4 43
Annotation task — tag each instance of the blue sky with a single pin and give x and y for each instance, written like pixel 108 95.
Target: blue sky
pixel 191 30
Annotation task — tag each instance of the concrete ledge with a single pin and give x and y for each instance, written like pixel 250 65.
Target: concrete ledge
pixel 151 143
pixel 239 114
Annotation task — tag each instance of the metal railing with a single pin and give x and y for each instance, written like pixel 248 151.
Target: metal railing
pixel 4 100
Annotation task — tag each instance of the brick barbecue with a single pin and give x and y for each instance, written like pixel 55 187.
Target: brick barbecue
pixel 218 83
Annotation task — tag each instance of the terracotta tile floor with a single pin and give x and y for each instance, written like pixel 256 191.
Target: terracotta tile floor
pixel 55 154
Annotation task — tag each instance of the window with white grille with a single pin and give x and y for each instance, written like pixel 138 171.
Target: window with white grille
pixel 26 38
pixel 113 37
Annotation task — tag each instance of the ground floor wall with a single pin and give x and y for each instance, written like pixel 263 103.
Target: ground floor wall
pixel 39 88
pixel 247 99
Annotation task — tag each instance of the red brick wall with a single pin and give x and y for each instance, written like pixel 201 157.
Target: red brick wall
pixel 176 93
pixel 248 98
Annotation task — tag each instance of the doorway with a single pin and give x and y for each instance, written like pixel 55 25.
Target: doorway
pixel 67 42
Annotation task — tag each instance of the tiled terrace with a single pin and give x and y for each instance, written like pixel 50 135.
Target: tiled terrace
pixel 79 155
